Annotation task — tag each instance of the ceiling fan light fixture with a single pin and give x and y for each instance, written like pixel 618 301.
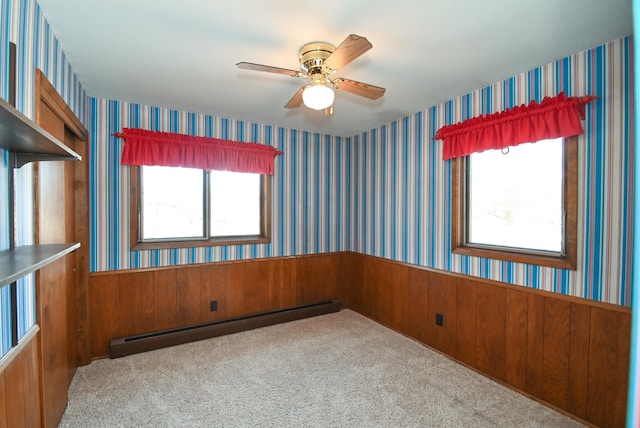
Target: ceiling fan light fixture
pixel 318 97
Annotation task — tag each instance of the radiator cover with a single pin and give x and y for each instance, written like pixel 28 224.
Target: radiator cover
pixel 161 339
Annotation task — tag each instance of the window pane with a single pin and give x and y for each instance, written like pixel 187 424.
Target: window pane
pixel 172 202
pixel 235 203
pixel 515 199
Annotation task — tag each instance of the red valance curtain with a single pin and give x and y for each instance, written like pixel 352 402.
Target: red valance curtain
pixel 554 117
pixel 144 147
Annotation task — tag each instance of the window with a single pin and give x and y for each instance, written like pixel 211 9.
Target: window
pixel 518 206
pixel 183 207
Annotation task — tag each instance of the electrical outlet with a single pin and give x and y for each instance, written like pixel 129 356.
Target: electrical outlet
pixel 439 320
pixel 213 305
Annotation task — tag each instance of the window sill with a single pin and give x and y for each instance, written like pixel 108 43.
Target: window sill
pixel 539 259
pixel 233 240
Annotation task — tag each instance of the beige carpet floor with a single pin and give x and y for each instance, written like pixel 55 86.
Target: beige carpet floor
pixel 337 370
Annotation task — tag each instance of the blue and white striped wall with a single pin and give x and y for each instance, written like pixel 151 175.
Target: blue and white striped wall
pixel 401 187
pixel 310 210
pixel 22 22
pixel 385 192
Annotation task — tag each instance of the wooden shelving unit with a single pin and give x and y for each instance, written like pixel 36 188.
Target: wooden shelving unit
pixel 29 142
pixel 23 260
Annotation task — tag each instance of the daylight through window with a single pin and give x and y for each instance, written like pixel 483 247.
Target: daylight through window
pixel 200 207
pixel 515 198
pixel 518 204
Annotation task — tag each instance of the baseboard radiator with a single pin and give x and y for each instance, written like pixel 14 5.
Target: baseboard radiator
pixel 161 339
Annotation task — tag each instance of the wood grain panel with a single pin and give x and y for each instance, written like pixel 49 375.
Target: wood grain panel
pixel 188 296
pixel 415 305
pixel 104 311
pixel 555 362
pixel 136 303
pixel 490 330
pixel 451 320
pixel 356 284
pixel 61 213
pixel 69 227
pixel 258 286
pixel 235 289
pixel 321 278
pixel 3 402
pixel 346 275
pixel 390 288
pixel 15 387
pixel 608 367
pixel 379 280
pixel 287 283
pixel 80 173
pixel 275 284
pixel 165 294
pixel 20 389
pixel 31 372
pixel 437 304
pixel 551 350
pixel 304 290
pixel 579 359
pixel 466 321
pixel 46 92
pixel 535 344
pixel 51 283
pixel 516 339
pixel 547 346
pixel 213 286
pixel 55 284
pixel 369 269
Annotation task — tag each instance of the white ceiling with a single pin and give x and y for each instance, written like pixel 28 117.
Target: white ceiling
pixel 182 54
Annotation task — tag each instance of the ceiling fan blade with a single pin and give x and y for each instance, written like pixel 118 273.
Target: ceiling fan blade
pixel 267 68
pixel 296 100
pixel 358 88
pixel 350 48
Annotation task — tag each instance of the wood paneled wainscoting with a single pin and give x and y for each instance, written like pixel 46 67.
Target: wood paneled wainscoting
pixel 570 353
pixel 125 303
pixel 20 404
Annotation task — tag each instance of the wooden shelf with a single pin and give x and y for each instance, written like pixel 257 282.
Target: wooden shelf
pixel 29 142
pixel 23 260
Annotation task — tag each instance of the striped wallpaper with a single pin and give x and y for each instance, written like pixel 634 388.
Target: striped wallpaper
pixel 401 187
pixel 22 22
pixel 310 210
pixel 385 192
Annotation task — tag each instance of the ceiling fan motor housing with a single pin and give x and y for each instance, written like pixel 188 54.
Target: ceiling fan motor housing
pixel 312 56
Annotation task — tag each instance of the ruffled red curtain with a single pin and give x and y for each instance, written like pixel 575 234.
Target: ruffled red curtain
pixel 144 147
pixel 554 117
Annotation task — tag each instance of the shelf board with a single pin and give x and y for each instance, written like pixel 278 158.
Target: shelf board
pixel 21 261
pixel 20 135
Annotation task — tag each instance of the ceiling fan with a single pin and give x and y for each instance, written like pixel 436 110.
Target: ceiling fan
pixel 318 61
